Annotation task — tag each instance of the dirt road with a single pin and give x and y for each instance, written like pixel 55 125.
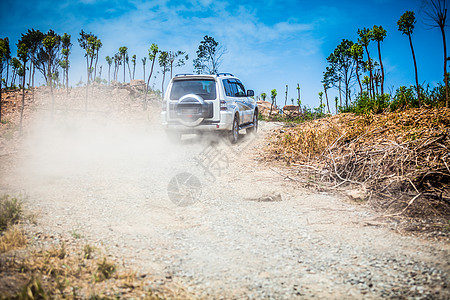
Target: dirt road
pixel 245 232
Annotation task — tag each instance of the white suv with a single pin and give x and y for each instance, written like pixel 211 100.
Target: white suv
pixel 196 103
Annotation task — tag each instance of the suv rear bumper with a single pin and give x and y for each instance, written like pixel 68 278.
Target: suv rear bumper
pixel 225 123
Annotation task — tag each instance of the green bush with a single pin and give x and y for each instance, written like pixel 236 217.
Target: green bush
pixel 364 104
pixel 404 97
pixel 435 97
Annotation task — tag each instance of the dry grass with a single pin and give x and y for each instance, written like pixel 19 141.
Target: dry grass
pixel 402 157
pixel 11 212
pixel 66 272
pixel 13 238
pixel 74 272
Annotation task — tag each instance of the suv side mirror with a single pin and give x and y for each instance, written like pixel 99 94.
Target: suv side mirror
pixel 250 93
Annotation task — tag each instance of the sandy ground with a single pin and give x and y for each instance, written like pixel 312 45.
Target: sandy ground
pixel 236 228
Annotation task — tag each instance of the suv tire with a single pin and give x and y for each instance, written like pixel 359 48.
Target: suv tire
pixel 234 133
pixel 254 129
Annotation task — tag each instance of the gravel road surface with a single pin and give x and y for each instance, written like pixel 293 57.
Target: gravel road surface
pixel 233 227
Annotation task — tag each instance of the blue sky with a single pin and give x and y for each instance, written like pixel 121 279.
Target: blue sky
pixel 268 43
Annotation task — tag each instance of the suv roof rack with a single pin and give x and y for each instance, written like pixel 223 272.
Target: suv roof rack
pixel 184 74
pixel 224 74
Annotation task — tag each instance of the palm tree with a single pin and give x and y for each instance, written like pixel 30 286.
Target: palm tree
pixel 117 63
pixel 144 61
pixel 263 96
pixel 178 63
pixel 152 54
pixel 365 36
pixel 66 45
pixel 164 64
pixel 109 61
pixel 35 38
pixel 51 43
pixel 273 95
pixel 4 55
pixel 378 34
pixel 356 52
pixel 325 88
pixel 23 49
pixel 406 26
pixel 436 12
pixel 123 53
pixel 133 61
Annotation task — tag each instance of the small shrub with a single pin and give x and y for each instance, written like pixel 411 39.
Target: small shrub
pixel 88 251
pixel 105 270
pixel 75 234
pixel 364 104
pixel 10 211
pixel 404 98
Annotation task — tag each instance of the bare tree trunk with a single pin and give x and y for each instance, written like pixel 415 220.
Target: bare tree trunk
pixel 357 76
pixel 340 93
pixel 370 72
pixel 347 91
pixel 23 96
pixel 162 85
pixel 29 75
pixel 148 83
pixel 336 104
pixel 129 71
pixel 382 69
pixel 415 70
pixel 285 98
pixel 50 79
pixel 13 77
pixel 34 69
pixel 87 83
pixel 326 97
pixel 143 65
pixel 67 74
pixel 271 107
pixel 445 66
pixel 95 66
pixel 123 56
pixel 7 73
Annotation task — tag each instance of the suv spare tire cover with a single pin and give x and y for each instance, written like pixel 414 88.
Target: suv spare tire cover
pixel 191 98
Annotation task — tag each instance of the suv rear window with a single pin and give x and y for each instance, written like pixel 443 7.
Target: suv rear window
pixel 203 87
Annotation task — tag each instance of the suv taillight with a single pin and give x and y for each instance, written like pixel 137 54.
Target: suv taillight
pixel 223 105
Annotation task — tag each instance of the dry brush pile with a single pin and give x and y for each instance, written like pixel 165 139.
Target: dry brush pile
pixel 401 158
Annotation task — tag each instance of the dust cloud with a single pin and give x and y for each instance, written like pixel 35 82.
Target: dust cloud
pixel 114 150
